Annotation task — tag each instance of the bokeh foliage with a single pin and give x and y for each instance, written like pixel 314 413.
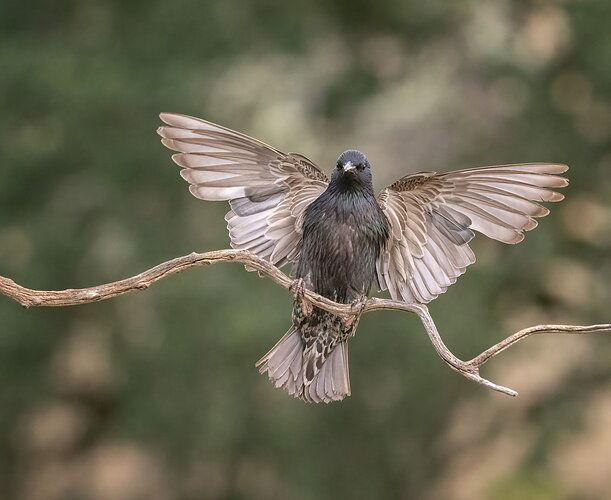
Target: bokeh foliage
pixel 155 395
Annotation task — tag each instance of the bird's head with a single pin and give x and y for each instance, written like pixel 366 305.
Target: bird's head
pixel 352 169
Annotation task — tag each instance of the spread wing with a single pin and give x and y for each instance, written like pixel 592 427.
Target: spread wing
pixel 267 190
pixel 433 217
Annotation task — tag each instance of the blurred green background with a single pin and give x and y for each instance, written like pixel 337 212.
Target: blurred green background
pixel 154 395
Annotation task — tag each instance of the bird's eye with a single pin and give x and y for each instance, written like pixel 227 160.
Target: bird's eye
pixel 339 165
pixel 360 166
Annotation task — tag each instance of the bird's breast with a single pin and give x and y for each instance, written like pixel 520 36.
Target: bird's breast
pixel 339 250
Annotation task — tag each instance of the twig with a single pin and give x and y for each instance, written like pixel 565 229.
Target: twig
pixel 469 369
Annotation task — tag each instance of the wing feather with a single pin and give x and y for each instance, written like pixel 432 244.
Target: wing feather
pixel 267 190
pixel 433 216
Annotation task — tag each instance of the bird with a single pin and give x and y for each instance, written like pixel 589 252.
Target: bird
pixel 342 238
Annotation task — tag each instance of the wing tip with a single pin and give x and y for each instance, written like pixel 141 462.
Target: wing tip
pixel 543 212
pixel 563 181
pixel 185 173
pixel 558 168
pixel 193 189
pixel 179 159
pixel 164 131
pixel 519 238
pixel 530 225
pixel 166 117
pixel 180 120
pixel 169 143
pixel 556 197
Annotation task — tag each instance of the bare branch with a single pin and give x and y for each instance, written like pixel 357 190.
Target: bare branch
pixel 469 369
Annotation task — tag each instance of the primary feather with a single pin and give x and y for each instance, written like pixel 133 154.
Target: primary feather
pixel 267 190
pixel 433 217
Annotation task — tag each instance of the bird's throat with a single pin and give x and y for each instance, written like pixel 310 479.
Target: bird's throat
pixel 350 185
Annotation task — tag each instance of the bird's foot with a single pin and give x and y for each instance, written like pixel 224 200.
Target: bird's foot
pixel 357 307
pixel 298 289
pixel 359 304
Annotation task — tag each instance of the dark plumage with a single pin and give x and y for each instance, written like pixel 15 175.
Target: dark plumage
pixel 344 231
pixel 412 238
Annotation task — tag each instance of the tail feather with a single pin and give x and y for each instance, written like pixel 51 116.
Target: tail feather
pixel 283 363
pixel 332 381
pixel 284 367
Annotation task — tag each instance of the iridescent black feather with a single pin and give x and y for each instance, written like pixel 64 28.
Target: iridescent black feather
pixel 344 231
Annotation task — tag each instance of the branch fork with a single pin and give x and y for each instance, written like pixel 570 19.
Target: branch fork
pixel 468 369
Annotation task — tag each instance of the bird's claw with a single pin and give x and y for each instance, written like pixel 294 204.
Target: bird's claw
pixel 298 289
pixel 357 307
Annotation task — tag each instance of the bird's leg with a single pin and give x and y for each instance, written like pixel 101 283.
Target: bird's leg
pixel 358 306
pixel 298 288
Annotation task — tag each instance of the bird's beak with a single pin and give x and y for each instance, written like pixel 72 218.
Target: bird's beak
pixel 348 167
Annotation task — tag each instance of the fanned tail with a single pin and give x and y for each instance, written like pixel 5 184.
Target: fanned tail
pixel 332 381
pixel 284 362
pixel 284 365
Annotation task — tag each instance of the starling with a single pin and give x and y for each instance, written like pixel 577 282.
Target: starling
pixel 412 239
